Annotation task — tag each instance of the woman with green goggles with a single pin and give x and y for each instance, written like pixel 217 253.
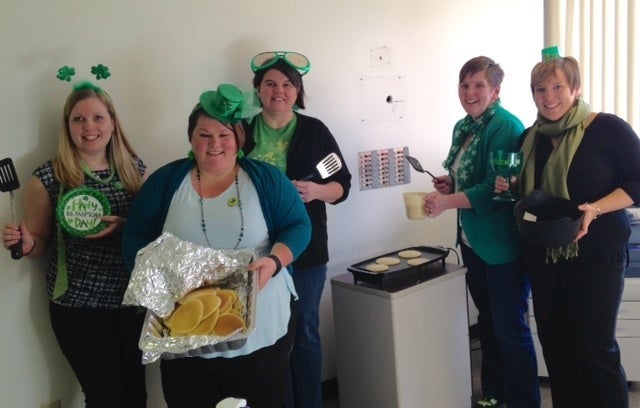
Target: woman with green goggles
pixel 295 143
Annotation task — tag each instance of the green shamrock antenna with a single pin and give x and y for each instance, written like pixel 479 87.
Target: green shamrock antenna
pixel 100 71
pixel 65 73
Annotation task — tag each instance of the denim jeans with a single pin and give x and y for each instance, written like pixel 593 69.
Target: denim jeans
pixel 304 389
pixel 509 371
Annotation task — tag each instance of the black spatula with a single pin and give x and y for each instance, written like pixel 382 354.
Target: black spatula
pixel 9 182
pixel 417 166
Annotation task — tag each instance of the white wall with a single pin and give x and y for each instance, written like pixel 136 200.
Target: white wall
pixel 162 54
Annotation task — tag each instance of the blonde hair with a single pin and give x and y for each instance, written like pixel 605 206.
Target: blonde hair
pixel 66 164
pixel 544 69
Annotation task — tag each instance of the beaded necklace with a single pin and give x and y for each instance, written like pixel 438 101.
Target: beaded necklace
pixel 231 203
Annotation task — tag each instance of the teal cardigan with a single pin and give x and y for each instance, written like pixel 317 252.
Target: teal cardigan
pixel 490 226
pixel 283 210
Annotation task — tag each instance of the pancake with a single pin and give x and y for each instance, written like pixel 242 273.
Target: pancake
pixel 227 297
pixel 388 260
pixel 409 253
pixel 417 261
pixel 197 293
pixel 206 325
pixel 186 317
pixel 238 305
pixel 376 267
pixel 211 303
pixel 228 323
pixel 235 312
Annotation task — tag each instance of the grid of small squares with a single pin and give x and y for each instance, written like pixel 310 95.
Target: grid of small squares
pixel 383 168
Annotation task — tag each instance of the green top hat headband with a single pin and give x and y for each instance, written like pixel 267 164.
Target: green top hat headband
pixel 100 71
pixel 550 53
pixel 227 104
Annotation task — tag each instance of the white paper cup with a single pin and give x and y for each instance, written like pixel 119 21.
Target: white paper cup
pixel 414 205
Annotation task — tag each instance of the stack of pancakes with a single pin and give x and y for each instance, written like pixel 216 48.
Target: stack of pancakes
pixel 207 312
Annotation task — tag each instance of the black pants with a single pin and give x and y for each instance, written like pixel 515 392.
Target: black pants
pixel 259 377
pixel 101 345
pixel 576 306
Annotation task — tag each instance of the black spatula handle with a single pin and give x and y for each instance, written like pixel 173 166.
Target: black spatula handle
pixel 16 250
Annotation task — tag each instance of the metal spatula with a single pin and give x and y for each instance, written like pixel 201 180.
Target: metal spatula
pixel 328 166
pixel 417 166
pixel 9 182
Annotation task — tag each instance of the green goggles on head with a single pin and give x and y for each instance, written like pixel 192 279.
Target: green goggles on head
pixel 294 59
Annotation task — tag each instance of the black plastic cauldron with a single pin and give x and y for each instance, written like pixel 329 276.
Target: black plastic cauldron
pixel 557 221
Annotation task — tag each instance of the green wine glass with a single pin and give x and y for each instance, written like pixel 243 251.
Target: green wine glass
pixel 506 164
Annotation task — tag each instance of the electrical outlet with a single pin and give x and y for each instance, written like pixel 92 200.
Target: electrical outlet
pixel 52 404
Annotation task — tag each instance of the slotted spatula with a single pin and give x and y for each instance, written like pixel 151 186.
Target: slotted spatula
pixel 328 166
pixel 9 182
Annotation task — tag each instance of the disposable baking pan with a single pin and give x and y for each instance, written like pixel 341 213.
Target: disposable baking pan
pixel 402 273
pixel 155 336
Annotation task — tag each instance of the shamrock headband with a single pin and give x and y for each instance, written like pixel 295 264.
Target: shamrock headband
pixel 227 104
pixel 550 53
pixel 100 71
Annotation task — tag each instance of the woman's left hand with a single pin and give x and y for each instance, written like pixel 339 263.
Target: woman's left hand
pixel 590 214
pixel 308 190
pixel 114 223
pixel 265 267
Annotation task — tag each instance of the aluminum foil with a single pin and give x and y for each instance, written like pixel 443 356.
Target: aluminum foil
pixel 169 268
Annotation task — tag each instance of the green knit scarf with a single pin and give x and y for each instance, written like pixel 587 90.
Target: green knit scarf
pixel 571 129
pixel 468 126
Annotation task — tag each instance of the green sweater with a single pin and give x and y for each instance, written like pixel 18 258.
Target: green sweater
pixel 490 226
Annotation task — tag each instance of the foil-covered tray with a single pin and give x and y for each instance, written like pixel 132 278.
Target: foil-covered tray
pixel 402 271
pixel 169 268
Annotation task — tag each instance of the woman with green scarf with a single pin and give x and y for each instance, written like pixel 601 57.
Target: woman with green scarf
pixel 593 159
pixel 488 237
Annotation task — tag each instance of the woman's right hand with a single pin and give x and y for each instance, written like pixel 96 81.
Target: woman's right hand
pixel 11 235
pixel 442 184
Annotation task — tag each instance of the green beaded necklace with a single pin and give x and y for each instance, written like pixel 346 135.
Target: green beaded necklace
pixel 230 203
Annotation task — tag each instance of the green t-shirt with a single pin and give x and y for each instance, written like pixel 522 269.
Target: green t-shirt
pixel 272 145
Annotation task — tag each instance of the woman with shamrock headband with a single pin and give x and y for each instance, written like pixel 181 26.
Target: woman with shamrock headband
pixel 217 198
pixel 488 237
pixel 86 278
pixel 594 159
pixel 295 143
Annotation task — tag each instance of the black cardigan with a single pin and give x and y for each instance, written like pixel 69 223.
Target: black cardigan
pixel 311 142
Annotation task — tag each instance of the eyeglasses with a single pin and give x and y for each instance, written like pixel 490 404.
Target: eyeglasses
pixel 294 59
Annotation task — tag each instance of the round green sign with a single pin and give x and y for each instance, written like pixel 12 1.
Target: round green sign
pixel 80 209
